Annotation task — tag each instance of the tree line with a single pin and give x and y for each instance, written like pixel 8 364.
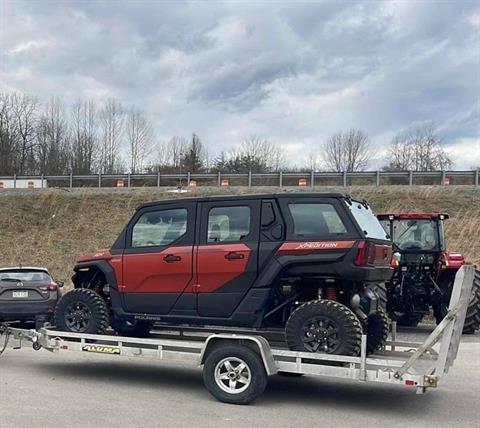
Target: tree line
pixel 110 138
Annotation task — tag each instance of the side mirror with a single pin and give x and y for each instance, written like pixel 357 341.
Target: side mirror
pixel 60 283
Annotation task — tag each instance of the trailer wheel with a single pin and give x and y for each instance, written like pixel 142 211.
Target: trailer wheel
pixel 82 311
pixel 324 326
pixel 234 374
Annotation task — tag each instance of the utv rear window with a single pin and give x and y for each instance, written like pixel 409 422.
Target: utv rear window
pixel 228 224
pixel 159 228
pixel 366 220
pixel 316 220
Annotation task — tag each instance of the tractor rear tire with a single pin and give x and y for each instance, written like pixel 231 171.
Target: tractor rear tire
pixel 324 326
pixel 82 311
pixel 472 318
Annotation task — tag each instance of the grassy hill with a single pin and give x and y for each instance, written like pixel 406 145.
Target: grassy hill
pixel 52 227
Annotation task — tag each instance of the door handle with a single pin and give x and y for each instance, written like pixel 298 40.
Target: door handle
pixel 232 255
pixel 170 258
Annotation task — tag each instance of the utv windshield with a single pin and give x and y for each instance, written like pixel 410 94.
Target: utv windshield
pixel 416 235
pixel 366 220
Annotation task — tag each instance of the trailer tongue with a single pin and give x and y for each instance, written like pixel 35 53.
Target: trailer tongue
pixel 236 365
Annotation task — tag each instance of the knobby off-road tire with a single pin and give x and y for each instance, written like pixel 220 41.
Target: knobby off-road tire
pixel 234 374
pixel 377 327
pixel 131 328
pixel 380 290
pixel 472 318
pixel 324 326
pixel 82 311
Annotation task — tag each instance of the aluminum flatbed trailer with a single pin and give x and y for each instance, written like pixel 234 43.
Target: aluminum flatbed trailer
pixel 236 364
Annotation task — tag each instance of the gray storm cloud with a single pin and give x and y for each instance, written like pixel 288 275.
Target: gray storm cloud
pixel 291 72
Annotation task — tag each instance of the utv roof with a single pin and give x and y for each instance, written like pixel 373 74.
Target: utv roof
pixel 413 216
pixel 288 195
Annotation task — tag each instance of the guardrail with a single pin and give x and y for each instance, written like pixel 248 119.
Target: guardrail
pixel 278 179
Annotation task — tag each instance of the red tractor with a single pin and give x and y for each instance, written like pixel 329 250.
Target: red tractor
pixel 424 270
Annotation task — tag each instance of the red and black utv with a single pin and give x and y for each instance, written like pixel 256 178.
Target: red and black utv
pixel 307 263
pixel 424 270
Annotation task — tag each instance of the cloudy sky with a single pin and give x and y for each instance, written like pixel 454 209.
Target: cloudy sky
pixel 288 71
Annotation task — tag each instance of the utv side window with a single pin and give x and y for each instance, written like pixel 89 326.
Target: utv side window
pixel 316 220
pixel 228 224
pixel 159 228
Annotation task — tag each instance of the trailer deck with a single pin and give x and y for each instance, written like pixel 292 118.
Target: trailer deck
pixel 419 365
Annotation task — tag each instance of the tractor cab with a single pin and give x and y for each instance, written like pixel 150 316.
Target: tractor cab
pixel 418 239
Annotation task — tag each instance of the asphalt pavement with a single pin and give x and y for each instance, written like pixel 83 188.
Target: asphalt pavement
pixel 40 389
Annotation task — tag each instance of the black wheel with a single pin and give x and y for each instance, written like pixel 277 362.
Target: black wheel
pixel 82 311
pixel 131 328
pixel 472 318
pixel 324 326
pixel 234 374
pixel 377 330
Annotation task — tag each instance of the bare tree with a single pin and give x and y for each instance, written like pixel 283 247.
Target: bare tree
pixel 112 122
pixel 84 137
pixel 8 135
pixel 139 138
pixel 52 139
pixel 418 149
pixel 24 109
pixel 347 151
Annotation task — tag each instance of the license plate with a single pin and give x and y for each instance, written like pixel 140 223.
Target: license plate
pixel 20 294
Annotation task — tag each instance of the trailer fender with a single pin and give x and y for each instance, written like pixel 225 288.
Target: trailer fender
pixel 259 344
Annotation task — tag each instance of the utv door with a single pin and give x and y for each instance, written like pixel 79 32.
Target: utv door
pixel 227 255
pixel 158 260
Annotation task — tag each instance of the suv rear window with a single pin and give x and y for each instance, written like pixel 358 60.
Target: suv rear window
pixel 25 275
pixel 316 219
pixel 366 220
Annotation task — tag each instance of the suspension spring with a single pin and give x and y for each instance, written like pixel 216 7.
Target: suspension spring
pixel 331 293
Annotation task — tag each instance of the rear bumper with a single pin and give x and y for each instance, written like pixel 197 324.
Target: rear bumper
pixel 376 274
pixel 26 310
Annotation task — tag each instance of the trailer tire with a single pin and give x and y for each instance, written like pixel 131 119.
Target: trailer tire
pixel 290 374
pixel 234 374
pixel 324 326
pixel 82 311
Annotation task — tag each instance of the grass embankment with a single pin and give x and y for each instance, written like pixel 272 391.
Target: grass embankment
pixel 52 227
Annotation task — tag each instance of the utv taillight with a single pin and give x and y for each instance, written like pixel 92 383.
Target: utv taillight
pixel 51 287
pixel 362 254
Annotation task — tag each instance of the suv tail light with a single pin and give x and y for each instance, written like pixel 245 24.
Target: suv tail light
pixel 51 287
